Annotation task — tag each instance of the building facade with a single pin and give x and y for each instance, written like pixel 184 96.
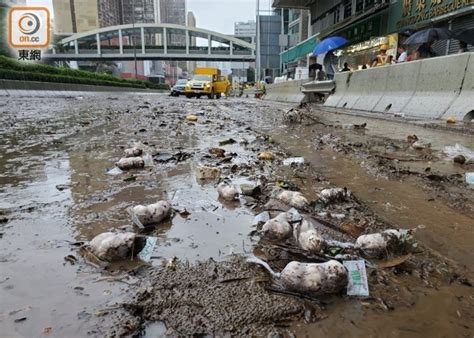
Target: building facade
pixel 138 11
pixel 76 16
pixel 367 24
pixel 268 45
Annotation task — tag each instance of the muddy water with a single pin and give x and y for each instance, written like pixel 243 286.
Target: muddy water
pixel 72 142
pixel 401 203
pixel 47 146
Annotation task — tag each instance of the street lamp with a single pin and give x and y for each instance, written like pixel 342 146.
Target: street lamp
pixel 133 39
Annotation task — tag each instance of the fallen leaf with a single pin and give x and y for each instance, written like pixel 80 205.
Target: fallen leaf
pixel 394 262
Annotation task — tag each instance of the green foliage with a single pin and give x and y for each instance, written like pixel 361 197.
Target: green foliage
pixel 30 76
pixel 41 72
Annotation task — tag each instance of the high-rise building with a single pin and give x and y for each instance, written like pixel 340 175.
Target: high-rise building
pixel 174 11
pixel 191 22
pixel 138 11
pixel 76 16
pixel 248 28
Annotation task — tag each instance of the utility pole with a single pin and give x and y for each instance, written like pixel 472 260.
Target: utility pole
pixel 257 39
pixel 133 39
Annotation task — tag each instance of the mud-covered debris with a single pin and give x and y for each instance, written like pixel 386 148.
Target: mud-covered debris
pixel 277 228
pixel 212 298
pixel 412 138
pixel 127 163
pixel 217 152
pixel 420 145
pixel 62 187
pixel 133 152
pixel 191 118
pixel 318 278
pixel 207 173
pixel 308 238
pixel 250 189
pixel 114 171
pixel 354 126
pixel 153 213
pixel 292 198
pixel 227 191
pixel 315 278
pixel 294 215
pixel 457 149
pixel 450 120
pixel 266 156
pixel 226 142
pixel 293 161
pixel 110 246
pixel 261 218
pixel 382 244
pixel 334 195
pixel 459 159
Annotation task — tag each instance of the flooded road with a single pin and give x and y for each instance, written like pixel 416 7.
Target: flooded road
pixel 55 191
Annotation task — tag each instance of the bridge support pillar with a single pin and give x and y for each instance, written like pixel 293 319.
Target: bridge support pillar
pixel 120 41
pixel 209 44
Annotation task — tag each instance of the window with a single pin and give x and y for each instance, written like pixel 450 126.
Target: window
pixel 347 8
pixel 359 6
pixel 336 16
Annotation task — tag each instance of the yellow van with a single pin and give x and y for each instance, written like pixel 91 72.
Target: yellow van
pixel 207 81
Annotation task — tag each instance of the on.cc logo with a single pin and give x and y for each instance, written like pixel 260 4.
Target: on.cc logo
pixel 29 27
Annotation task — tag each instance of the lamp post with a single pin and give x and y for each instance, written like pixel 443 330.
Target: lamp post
pixel 133 39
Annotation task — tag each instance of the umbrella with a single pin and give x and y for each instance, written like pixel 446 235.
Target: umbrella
pixel 429 35
pixel 328 44
pixel 466 36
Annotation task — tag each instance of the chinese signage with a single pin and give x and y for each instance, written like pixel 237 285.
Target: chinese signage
pixel 29 30
pixel 406 13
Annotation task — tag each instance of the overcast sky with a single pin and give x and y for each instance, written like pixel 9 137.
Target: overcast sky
pixel 220 15
pixel 216 15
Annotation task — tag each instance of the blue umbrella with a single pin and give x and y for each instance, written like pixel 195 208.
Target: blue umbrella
pixel 328 44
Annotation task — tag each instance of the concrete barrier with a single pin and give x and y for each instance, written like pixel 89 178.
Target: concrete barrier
pixel 400 88
pixel 289 91
pixel 374 83
pixel 342 83
pixel 438 85
pixel 463 107
pixel 429 88
pixel 355 89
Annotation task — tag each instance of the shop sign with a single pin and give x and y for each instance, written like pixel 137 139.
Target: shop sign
pixel 406 13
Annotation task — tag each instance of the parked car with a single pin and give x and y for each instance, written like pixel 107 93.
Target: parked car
pixel 179 87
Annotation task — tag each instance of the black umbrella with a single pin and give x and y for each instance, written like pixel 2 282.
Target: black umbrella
pixel 429 35
pixel 466 36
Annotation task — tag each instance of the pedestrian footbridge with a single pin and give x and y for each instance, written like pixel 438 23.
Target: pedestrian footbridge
pixel 147 41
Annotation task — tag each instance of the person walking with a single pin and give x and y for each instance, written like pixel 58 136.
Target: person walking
pixel 382 58
pixel 330 62
pixel 403 56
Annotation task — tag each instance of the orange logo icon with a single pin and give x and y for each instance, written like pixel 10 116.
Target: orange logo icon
pixel 29 27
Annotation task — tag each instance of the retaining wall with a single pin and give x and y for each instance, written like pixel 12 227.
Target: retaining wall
pixel 429 89
pixel 289 91
pixel 33 88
